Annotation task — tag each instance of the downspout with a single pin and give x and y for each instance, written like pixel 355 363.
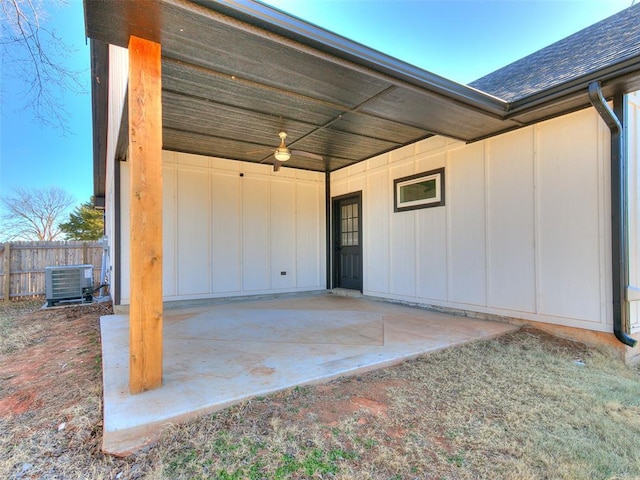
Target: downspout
pixel 328 229
pixel 619 227
pixel 116 278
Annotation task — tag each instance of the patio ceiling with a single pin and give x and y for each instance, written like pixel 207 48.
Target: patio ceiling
pixel 235 73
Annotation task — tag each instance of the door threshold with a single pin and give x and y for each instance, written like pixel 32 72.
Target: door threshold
pixel 346 292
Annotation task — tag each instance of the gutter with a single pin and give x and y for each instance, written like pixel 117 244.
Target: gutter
pixel 619 226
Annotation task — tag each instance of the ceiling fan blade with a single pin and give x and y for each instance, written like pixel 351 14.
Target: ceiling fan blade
pixel 302 153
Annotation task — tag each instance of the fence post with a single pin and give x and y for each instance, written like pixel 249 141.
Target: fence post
pixel 7 272
pixel 85 253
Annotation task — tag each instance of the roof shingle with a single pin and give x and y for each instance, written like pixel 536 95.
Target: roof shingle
pixel 598 46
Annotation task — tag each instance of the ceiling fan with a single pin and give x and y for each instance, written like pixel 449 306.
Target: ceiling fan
pixel 282 153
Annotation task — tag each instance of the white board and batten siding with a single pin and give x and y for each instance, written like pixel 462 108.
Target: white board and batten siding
pixel 118 81
pixel 633 136
pixel 524 232
pixel 232 229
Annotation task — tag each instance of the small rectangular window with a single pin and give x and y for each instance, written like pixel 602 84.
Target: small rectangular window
pixel 419 191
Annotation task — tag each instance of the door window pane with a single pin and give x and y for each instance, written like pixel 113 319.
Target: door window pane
pixel 349 224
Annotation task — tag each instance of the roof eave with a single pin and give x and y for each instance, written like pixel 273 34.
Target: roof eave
pixel 280 23
pixel 99 116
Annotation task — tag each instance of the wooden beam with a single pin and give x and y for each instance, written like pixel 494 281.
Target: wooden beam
pixel 145 153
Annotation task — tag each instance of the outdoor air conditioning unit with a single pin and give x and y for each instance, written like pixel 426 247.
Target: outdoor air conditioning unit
pixel 68 283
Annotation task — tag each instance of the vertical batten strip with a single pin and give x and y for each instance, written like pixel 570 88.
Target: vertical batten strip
pixel 145 137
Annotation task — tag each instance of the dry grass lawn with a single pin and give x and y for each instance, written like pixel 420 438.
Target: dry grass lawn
pixel 523 406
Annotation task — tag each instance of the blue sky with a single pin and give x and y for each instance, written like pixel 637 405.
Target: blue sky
pixel 458 39
pixel 35 156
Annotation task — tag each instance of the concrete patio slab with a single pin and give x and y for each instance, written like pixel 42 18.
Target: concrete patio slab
pixel 221 354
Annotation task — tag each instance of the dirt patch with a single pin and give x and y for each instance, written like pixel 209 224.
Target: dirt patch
pixel 330 404
pixel 50 390
pixel 550 343
pixel 63 360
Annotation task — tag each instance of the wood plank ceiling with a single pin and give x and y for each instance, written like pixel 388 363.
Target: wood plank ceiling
pixel 229 87
pixel 235 73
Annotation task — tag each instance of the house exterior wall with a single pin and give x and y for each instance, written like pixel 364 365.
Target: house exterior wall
pixel 230 228
pixel 633 159
pixel 118 80
pixel 524 232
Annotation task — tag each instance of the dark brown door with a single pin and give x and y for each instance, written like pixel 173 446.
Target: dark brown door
pixel 348 241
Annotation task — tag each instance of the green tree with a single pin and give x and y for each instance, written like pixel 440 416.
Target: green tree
pixel 86 222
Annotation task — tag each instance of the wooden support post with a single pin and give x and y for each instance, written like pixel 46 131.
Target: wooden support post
pixel 145 156
pixel 85 253
pixel 7 272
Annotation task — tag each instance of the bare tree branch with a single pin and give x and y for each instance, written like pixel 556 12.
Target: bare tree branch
pixel 36 56
pixel 34 214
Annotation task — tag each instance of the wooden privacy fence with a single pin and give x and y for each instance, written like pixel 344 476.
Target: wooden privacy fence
pixel 22 264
